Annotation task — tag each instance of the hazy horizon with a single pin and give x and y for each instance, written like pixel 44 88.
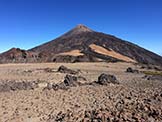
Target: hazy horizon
pixel 29 23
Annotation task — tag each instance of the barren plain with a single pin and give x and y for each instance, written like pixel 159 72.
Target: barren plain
pixel 136 98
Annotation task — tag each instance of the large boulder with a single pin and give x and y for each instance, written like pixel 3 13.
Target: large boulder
pixel 63 69
pixel 69 81
pixel 105 79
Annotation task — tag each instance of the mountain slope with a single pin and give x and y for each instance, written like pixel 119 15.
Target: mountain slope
pixel 84 44
pixel 80 38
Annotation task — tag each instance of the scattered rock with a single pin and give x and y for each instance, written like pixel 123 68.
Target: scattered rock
pixel 105 79
pixel 4 88
pixel 130 70
pixel 153 77
pixel 13 86
pixel 146 67
pixel 142 67
pixel 151 67
pixel 49 70
pixel 71 81
pixel 158 68
pixel 81 78
pixel 60 117
pixel 63 69
pixel 141 107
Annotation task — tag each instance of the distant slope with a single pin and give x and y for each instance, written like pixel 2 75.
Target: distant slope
pixel 84 44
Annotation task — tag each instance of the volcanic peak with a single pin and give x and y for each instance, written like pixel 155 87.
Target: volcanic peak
pixel 80 28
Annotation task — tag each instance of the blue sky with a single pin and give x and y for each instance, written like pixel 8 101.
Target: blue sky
pixel 28 23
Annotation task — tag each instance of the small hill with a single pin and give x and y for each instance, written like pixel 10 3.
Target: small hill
pixel 17 55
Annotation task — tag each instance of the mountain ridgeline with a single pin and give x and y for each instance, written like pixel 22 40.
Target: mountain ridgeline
pixel 82 44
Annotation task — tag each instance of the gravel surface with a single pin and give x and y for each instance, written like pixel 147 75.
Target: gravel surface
pixel 134 99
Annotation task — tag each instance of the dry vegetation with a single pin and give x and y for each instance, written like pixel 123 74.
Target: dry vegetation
pixel 152 73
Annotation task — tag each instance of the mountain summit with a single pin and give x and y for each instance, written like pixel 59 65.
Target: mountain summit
pixel 82 44
pixel 82 28
pixel 77 30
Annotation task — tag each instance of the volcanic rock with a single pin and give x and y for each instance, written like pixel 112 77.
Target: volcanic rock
pixel 105 79
pixel 154 77
pixel 13 86
pixel 130 70
pixel 152 67
pixel 71 81
pixel 63 69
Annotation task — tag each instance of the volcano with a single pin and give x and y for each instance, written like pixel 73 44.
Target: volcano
pixel 82 44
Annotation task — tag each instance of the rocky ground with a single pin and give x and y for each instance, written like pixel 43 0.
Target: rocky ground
pixel 80 92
